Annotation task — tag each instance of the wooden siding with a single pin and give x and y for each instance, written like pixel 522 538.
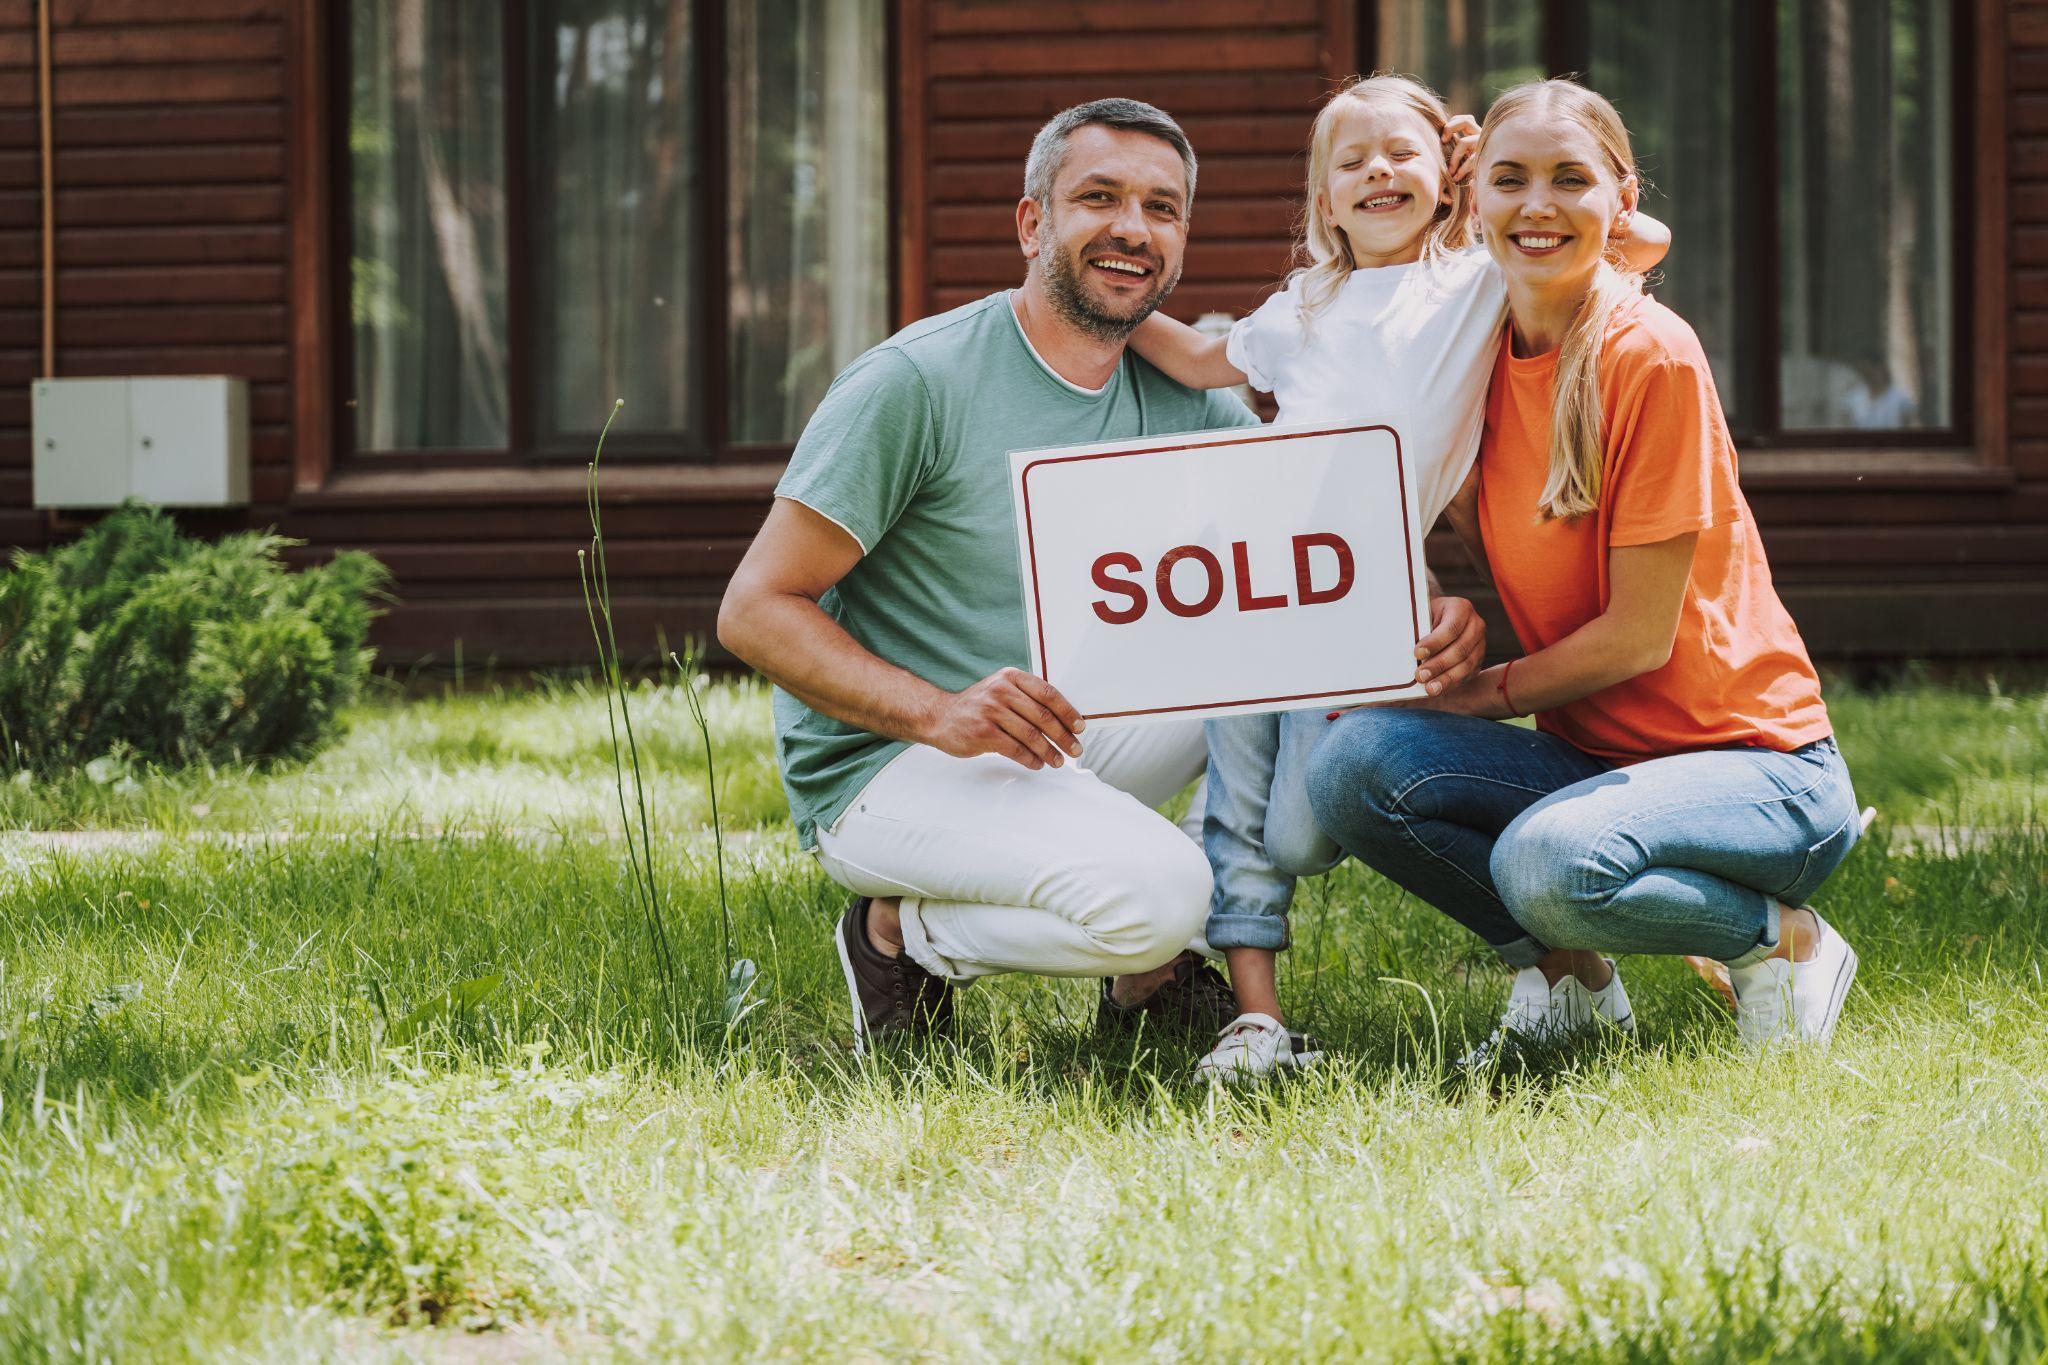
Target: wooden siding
pixel 168 127
pixel 1243 79
pixel 2025 49
pixel 191 238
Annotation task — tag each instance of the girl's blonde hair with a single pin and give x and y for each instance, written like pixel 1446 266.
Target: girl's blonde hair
pixel 1324 250
pixel 1577 449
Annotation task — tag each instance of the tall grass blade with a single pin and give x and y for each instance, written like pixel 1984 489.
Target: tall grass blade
pixel 595 578
pixel 741 975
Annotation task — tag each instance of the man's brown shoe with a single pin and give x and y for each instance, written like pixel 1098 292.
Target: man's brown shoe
pixel 1194 1001
pixel 1189 1004
pixel 892 996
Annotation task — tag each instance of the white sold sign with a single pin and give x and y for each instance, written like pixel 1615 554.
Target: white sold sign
pixel 1222 572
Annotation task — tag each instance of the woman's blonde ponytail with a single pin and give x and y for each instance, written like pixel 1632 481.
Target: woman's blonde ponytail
pixel 1578 448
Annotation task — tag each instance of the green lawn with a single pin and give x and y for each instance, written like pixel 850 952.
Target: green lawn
pixel 212 1147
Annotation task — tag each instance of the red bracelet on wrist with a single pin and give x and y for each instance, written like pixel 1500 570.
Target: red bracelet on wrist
pixel 1500 685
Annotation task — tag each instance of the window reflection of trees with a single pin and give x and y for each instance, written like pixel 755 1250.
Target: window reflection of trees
pixel 1860 114
pixel 616 253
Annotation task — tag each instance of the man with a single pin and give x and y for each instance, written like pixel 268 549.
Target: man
pixel 932 776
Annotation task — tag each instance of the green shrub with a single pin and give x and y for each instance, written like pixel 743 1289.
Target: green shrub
pixel 137 639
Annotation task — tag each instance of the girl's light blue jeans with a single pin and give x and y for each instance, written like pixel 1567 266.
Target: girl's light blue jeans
pixel 1535 845
pixel 1258 830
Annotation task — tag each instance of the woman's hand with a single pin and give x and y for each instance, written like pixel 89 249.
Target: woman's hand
pixel 1454 647
pixel 1633 636
pixel 1446 657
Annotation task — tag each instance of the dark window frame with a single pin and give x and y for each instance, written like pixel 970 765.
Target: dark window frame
pixel 1566 49
pixel 713 445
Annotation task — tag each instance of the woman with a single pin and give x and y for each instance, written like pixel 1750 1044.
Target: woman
pixel 1682 793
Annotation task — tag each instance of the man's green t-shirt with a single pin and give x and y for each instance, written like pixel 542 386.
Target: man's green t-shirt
pixel 909 453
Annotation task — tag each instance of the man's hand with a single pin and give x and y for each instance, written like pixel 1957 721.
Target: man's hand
pixel 1011 713
pixel 1454 647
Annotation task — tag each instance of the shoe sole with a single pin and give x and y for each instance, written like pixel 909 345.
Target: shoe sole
pixel 860 1021
pixel 1298 1061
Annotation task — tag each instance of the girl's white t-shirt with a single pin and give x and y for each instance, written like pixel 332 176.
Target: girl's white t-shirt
pixel 1412 346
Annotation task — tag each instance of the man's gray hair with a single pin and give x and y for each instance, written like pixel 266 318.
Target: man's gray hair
pixel 1049 148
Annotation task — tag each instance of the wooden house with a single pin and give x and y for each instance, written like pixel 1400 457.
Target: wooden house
pixel 440 237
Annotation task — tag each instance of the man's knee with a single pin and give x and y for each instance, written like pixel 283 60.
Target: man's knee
pixel 1150 903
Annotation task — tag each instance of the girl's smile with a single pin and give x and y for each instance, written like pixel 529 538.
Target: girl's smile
pixel 1385 181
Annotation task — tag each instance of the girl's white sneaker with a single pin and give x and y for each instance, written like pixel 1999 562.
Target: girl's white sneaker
pixel 1541 1013
pixel 1250 1048
pixel 1777 1001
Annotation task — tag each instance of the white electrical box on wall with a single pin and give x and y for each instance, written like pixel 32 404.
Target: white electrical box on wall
pixel 178 441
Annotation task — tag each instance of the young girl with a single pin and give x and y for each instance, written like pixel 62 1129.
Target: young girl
pixel 1392 319
pixel 1683 793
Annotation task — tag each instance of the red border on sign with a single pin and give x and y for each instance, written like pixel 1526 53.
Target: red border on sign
pixel 1031 554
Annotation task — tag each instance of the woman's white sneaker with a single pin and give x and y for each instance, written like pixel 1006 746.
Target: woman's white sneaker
pixel 1252 1047
pixel 1541 1013
pixel 1777 1001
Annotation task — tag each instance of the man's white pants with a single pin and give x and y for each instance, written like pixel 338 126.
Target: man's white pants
pixel 1065 871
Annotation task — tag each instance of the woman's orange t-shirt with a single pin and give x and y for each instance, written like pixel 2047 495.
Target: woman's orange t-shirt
pixel 1738 673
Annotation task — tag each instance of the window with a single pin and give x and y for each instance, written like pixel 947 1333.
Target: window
pixel 1804 154
pixel 549 209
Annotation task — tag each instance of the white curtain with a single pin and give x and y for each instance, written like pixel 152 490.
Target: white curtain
pixel 807 227
pixel 428 225
pixel 614 289
pixel 614 201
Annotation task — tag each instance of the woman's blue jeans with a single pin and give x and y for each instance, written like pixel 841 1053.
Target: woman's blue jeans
pixel 1534 845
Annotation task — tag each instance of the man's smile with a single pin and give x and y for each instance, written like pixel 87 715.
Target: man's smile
pixel 1123 267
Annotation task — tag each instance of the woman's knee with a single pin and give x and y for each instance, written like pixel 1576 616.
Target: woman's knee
pixel 1356 773
pixel 1555 875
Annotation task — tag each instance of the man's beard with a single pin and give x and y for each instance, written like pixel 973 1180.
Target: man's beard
pixel 1071 300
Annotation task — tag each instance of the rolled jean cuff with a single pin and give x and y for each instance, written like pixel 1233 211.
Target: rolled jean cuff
pixel 1764 946
pixel 1247 931
pixel 1521 952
